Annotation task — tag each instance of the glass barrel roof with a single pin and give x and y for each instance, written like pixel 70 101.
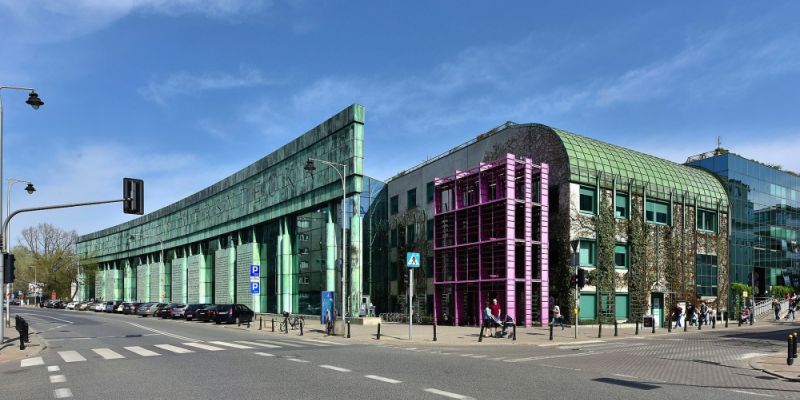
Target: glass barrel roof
pixel 662 178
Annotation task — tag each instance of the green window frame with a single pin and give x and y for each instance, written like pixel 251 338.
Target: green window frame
pixel 706 220
pixel 706 275
pixel 588 306
pixel 621 256
pixel 621 206
pixel 657 212
pixel 393 205
pixel 587 200
pixel 430 190
pixel 393 237
pixel 411 199
pixel 621 306
pixel 587 253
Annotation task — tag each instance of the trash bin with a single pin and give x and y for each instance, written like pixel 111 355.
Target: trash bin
pixel 648 321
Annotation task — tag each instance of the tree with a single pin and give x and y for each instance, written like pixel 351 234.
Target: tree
pixel 52 251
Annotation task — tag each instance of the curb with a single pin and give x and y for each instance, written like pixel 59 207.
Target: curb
pixel 752 364
pixel 35 352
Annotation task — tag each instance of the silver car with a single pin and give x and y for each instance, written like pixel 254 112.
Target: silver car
pixel 178 311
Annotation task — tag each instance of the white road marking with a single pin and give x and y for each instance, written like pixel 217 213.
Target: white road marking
pixel 553 356
pixel 559 367
pixel 174 349
pixel 465 355
pixel 324 341
pixel 47 316
pixel 311 343
pixel 269 346
pixel 382 379
pixel 164 333
pixel 108 354
pixel 29 362
pixel 58 378
pixel 481 356
pixel 448 394
pixel 71 356
pixel 753 393
pixel 297 360
pixel 142 351
pixel 234 345
pixel 627 376
pixel 62 393
pixel 264 354
pixel 281 343
pixel 335 368
pixel 53 368
pixel 572 343
pixel 203 346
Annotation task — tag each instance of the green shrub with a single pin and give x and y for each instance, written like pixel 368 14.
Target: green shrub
pixel 780 292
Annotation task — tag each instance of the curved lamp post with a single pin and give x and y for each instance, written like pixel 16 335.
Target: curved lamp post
pixel 7 234
pixel 35 102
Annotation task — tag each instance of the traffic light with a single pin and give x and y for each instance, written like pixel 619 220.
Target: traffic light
pixel 133 195
pixel 8 268
pixel 583 278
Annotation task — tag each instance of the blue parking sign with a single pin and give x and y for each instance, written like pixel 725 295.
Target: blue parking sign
pixel 255 288
pixel 255 270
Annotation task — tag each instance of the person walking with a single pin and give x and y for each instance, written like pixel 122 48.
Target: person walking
pixel 792 306
pixel 703 313
pixel 776 306
pixel 557 318
pixel 678 312
pixel 489 320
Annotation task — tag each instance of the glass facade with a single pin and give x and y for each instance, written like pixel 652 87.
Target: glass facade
pixel 765 221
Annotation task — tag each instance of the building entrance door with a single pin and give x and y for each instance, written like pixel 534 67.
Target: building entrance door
pixel 657 310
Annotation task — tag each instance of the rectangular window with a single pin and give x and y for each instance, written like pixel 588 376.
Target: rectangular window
pixel 429 230
pixel 621 208
pixel 588 306
pixel 411 234
pixel 587 253
pixel 707 220
pixel 706 275
pixel 393 238
pixel 657 212
pixel 587 200
pixel 621 256
pixel 621 302
pixel 393 205
pixel 411 199
pixel 430 191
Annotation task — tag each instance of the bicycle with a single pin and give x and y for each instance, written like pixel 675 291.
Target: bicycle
pixel 290 321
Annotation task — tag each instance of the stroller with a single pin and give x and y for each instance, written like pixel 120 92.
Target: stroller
pixel 745 316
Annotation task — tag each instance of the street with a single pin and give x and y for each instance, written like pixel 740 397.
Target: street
pixel 109 356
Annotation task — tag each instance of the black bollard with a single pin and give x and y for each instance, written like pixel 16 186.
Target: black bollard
pixel 379 331
pixel 699 325
pixel 637 328
pixel 260 323
pixel 348 329
pixel 615 327
pixel 726 319
pixel 301 327
pixel 599 327
pixel 434 332
pixel 551 331
pixel 789 358
pixel 669 324
pixel 654 326
pixel 685 324
pixel 480 334
pixel 714 322
pixel 740 321
pixel 273 324
pixel 514 332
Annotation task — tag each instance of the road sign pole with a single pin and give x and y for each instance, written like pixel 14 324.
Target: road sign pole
pixel 410 298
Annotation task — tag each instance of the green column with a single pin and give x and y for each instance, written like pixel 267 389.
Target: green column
pixel 99 282
pixel 289 277
pixel 330 254
pixel 355 258
pixel 118 281
pixel 231 270
pixel 279 267
pixel 130 282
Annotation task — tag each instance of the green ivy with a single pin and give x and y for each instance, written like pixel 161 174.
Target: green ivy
pixel 606 273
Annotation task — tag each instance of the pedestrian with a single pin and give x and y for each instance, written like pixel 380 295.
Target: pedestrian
pixel 703 313
pixel 495 309
pixel 678 312
pixel 557 318
pixel 691 316
pixel 372 309
pixel 792 306
pixel 489 320
pixel 776 306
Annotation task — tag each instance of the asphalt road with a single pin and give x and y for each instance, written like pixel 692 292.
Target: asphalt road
pixel 102 356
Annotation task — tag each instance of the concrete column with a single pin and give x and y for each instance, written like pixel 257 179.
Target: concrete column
pixel 279 268
pixel 330 254
pixel 231 270
pixel 289 275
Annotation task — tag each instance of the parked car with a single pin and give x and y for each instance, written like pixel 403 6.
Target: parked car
pixel 111 306
pixel 190 312
pixel 99 306
pixel 14 302
pixel 207 314
pixel 233 313
pixel 130 308
pixel 59 304
pixel 146 309
pixel 83 306
pixel 160 309
pixel 71 305
pixel 118 309
pixel 173 310
pixel 166 311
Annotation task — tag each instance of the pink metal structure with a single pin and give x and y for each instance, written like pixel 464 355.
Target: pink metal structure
pixel 490 241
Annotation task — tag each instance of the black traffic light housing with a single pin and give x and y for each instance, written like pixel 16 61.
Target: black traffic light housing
pixel 133 195
pixel 583 278
pixel 8 268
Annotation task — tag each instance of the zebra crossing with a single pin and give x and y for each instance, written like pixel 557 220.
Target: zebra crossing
pixel 105 353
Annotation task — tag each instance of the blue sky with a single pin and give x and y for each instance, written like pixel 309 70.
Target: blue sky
pixel 183 93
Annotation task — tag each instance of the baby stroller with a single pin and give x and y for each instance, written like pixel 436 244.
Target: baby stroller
pixel 745 316
pixel 507 323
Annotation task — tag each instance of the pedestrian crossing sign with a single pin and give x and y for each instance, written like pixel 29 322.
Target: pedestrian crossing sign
pixel 412 260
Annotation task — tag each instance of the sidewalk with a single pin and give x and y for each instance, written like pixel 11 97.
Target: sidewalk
pixel 396 333
pixel 775 364
pixel 9 349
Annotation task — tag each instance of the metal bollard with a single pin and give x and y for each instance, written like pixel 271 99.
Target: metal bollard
pixel 654 325
pixel 260 323
pixel 669 325
pixel 789 358
pixel 615 327
pixel 551 331
pixel 434 332
pixel 273 324
pixel 379 331
pixel 699 325
pixel 740 321
pixel 514 332
pixel 301 327
pixel 480 334
pixel 685 324
pixel 726 319
pixel 714 322
pixel 600 327
pixel 637 328
pixel 348 329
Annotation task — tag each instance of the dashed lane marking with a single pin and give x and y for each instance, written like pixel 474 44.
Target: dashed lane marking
pixel 164 333
pixel 29 362
pixel 382 379
pixel 71 356
pixel 142 351
pixel 53 368
pixel 174 349
pixel 233 345
pixel 203 346
pixel 571 343
pixel 448 394
pixel 107 353
pixel 324 342
pixel 58 378
pixel 752 393
pixel 62 393
pixel 297 360
pixel 264 354
pixel 340 369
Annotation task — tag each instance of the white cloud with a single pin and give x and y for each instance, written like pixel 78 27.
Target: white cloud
pixel 185 83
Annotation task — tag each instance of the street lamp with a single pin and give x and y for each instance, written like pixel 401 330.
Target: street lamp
pixel 35 102
pixel 35 286
pixel 309 167
pixel 7 234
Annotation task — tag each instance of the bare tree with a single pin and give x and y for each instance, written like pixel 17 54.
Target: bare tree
pixel 53 252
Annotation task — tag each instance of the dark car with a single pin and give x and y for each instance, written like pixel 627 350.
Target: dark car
pixel 166 311
pixel 148 309
pixel 191 310
pixel 233 313
pixel 130 308
pixel 207 314
pixel 111 306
